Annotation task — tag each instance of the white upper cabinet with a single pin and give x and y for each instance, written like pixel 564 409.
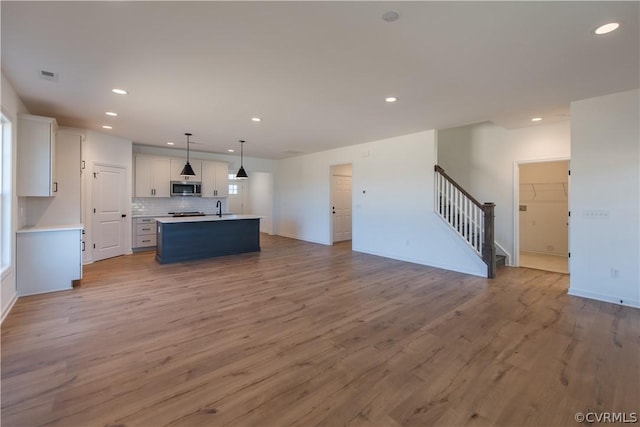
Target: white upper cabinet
pixel 178 164
pixel 153 177
pixel 215 179
pixel 36 156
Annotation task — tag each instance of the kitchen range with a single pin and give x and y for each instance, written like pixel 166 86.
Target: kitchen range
pixel 183 214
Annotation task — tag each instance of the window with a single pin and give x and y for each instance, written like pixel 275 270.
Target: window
pixel 233 187
pixel 7 194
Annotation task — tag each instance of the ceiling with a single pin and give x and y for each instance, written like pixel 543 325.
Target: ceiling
pixel 317 73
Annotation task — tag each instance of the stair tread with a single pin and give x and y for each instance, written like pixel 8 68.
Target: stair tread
pixel 501 260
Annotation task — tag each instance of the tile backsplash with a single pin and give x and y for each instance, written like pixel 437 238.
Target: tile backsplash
pixel 163 205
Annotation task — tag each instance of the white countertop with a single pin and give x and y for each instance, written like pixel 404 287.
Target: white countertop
pixel 205 218
pixel 40 229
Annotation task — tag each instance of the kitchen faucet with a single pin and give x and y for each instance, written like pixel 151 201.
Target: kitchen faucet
pixel 219 207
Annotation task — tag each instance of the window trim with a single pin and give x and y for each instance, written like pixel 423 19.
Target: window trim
pixel 7 191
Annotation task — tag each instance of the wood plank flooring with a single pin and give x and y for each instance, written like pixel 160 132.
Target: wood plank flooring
pixel 308 335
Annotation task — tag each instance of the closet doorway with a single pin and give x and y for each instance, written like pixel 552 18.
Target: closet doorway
pixel 543 210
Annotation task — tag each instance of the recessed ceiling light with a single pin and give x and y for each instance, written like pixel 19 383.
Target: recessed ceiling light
pixel 536 119
pixel 111 113
pixel 169 143
pixel 391 16
pixel 119 91
pixel 106 127
pixel 256 119
pixel 391 99
pixel 231 150
pixel 607 28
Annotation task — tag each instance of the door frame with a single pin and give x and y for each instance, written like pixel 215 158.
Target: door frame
pixel 515 257
pixel 126 203
pixel 331 190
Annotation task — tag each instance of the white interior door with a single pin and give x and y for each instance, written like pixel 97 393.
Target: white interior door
pixel 109 211
pixel 237 198
pixel 341 209
pixel 261 199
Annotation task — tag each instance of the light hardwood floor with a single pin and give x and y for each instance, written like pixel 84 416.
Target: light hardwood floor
pixel 303 334
pixel 547 262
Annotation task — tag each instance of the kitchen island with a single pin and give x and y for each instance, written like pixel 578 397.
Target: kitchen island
pixel 199 237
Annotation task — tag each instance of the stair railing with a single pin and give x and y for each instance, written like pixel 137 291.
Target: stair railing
pixel 471 220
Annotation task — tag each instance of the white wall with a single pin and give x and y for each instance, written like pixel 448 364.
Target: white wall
pixel 107 150
pixel 11 107
pixel 393 198
pixel 454 153
pixel 482 159
pixel 605 178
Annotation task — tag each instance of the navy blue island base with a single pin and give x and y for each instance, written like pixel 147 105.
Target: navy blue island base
pixel 206 237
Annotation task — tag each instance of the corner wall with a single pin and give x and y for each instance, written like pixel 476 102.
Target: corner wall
pixel 108 150
pixel 11 107
pixel 393 196
pixel 482 159
pixel 605 198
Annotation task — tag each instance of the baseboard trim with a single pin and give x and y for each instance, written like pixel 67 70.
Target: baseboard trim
pixel 9 307
pixel 291 236
pixel 426 263
pixel 604 298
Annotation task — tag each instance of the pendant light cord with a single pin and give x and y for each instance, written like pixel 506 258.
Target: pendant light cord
pixel 188 147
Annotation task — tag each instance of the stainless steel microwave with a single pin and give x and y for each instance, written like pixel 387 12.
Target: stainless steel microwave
pixel 185 188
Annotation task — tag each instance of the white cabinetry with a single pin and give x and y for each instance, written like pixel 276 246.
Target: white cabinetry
pixel 36 156
pixel 178 164
pixel 144 233
pixel 48 258
pixel 153 177
pixel 215 179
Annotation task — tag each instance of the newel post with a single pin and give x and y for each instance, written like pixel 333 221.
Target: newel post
pixel 489 244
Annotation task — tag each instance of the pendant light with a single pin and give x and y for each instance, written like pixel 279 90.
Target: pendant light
pixel 242 174
pixel 187 169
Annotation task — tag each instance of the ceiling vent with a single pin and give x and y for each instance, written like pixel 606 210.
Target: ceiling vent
pixel 48 75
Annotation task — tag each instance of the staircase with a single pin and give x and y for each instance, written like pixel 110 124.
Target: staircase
pixel 471 220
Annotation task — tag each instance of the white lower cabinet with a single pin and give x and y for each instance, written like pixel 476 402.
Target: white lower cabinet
pixel 48 259
pixel 144 233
